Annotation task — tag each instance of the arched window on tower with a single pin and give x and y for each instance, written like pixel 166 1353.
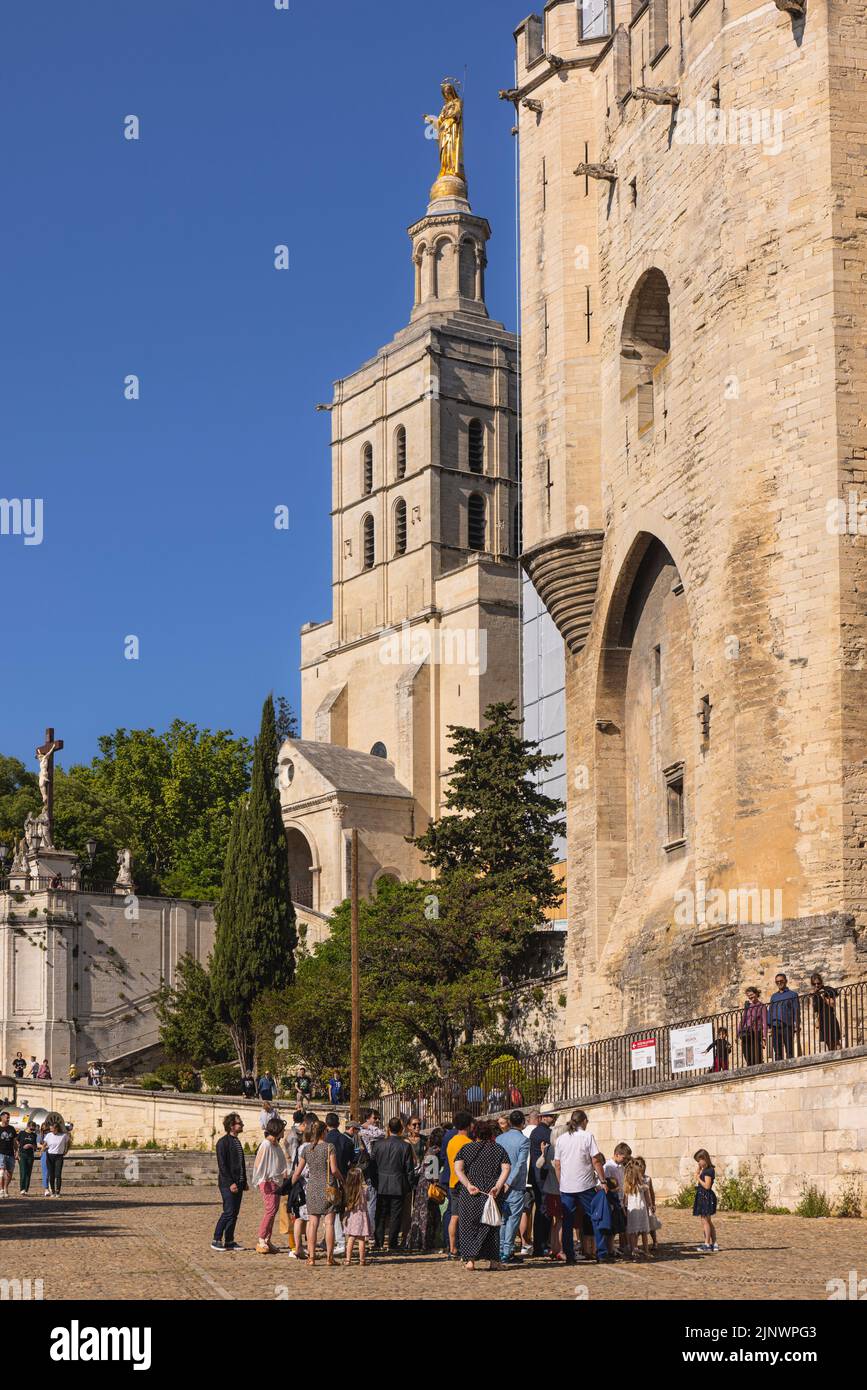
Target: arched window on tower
pixel 468 270
pixel 476 522
pixel 368 542
pixel 516 529
pixel 400 527
pixel 476 446
pixel 367 469
pixel 400 453
pixel 645 342
pixel 441 250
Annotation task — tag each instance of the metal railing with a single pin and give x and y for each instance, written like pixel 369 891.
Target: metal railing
pixel 57 884
pixel 620 1064
pixel 301 892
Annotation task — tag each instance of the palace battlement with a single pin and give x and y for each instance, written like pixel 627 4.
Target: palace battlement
pixel 625 41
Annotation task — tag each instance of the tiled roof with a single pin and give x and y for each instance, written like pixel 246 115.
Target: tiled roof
pixel 350 771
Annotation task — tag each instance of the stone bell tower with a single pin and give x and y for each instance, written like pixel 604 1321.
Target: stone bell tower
pixel 425 630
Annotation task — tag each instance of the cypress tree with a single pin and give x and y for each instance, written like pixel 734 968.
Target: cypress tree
pixel 254 950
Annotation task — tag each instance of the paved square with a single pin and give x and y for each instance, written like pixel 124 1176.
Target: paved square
pixel 153 1243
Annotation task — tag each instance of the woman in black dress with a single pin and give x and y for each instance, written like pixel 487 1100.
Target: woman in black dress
pixel 426 1230
pixel 482 1169
pixel 823 997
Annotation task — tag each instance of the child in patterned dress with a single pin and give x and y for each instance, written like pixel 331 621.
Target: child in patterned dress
pixel 636 1207
pixel 655 1223
pixel 356 1216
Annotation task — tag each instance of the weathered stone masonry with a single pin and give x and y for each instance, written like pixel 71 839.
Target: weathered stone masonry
pixel 694 396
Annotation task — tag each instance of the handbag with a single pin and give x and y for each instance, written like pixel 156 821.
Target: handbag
pixel 491 1215
pixel 435 1193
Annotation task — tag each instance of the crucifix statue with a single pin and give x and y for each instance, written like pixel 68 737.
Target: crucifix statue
pixel 45 754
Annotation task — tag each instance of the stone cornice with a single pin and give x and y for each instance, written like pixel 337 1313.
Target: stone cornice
pixel 439 219
pixel 564 571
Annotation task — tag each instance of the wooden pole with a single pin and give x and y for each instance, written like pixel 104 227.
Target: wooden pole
pixel 355 1056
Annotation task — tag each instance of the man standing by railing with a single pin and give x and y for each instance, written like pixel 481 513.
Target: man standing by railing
pixel 784 1014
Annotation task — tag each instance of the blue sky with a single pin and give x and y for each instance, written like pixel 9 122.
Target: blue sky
pixel 156 257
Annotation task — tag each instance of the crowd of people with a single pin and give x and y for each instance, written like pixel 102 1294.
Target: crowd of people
pixel 36 1071
pixel 521 1187
pixel 48 1142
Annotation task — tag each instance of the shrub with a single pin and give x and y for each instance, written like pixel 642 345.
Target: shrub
pixel 747 1192
pixel 684 1198
pixel 150 1082
pixel 222 1079
pixel 167 1073
pixel 188 1080
pixel 471 1059
pixel 850 1200
pixel 778 1211
pixel 507 1068
pixel 813 1202
pixel 151 1144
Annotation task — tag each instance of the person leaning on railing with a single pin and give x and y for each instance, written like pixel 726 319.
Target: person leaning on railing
pixel 824 1007
pixel 753 1028
pixel 784 1016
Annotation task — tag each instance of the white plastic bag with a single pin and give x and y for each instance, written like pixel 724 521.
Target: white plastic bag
pixel 491 1215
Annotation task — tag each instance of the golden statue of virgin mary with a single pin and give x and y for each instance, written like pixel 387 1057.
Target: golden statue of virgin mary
pixel 449 126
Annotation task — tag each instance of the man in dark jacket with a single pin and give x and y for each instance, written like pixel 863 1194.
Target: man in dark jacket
pixel 541 1135
pixel 393 1170
pixel 232 1181
pixel 784 1015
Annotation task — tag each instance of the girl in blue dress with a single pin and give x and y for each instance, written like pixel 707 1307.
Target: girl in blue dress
pixel 705 1200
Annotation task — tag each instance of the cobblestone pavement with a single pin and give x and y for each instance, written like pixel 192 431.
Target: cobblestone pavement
pixel 154 1243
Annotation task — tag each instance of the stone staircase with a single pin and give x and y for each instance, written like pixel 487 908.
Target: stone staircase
pixel 86 1169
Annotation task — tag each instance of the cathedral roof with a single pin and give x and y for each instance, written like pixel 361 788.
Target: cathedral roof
pixel 348 770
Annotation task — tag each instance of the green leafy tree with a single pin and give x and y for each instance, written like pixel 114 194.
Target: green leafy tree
pixel 311 1019
pixel 167 797
pixel 19 797
pixel 287 723
pixel 432 959
pixel 497 822
pixel 256 935
pixel 190 1030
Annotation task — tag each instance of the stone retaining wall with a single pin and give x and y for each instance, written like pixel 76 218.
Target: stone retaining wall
pixel 803 1121
pixel 166 1117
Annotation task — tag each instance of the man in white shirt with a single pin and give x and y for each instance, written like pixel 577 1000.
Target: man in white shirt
pixel 578 1165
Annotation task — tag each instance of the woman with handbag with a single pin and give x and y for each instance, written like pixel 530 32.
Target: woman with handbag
pixel 426 1229
pixel 324 1193
pixel 482 1170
